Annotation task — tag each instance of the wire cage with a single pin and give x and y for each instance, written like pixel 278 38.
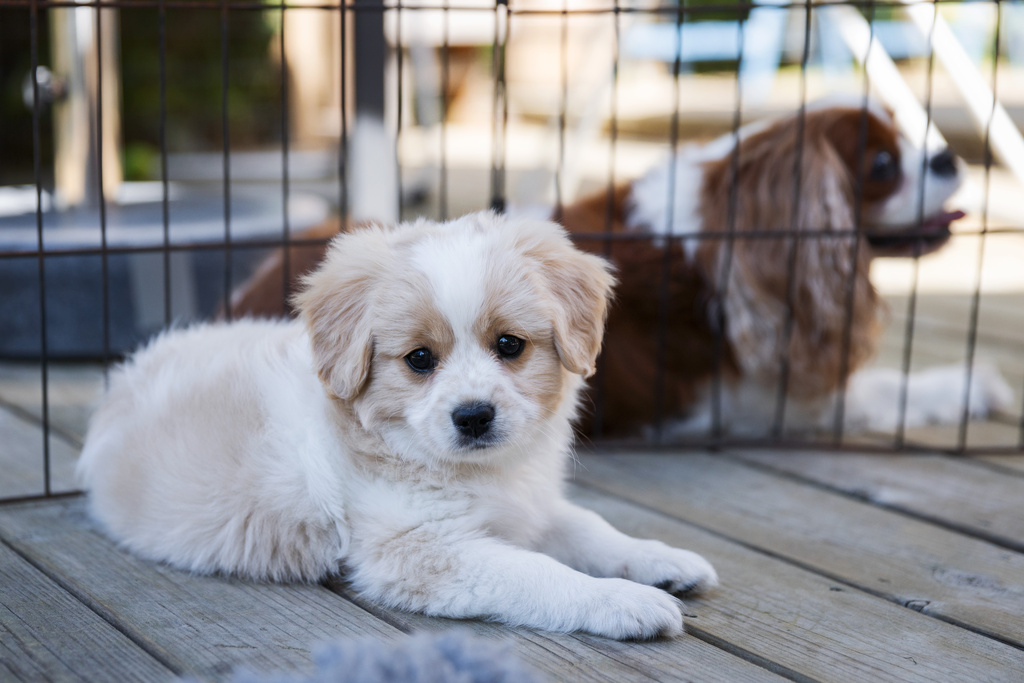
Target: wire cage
pixel 166 149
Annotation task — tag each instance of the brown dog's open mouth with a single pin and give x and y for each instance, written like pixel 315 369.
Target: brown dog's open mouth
pixel 917 241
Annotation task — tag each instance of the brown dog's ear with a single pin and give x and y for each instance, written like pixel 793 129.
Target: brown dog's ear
pixel 581 288
pixel 336 304
pixel 785 300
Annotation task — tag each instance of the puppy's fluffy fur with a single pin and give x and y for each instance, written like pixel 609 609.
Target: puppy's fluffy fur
pixel 286 450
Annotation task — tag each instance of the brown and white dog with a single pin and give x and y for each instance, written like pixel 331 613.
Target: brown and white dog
pixel 787 300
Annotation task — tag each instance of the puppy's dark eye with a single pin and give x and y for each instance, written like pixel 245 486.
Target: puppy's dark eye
pixel 884 167
pixel 421 360
pixel 509 346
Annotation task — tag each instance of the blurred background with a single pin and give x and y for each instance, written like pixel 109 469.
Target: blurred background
pixel 165 146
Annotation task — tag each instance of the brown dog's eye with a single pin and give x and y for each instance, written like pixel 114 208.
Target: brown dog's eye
pixel 421 360
pixel 884 167
pixel 510 346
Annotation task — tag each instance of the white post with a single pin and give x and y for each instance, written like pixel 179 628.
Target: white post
pixel 78 62
pixel 885 77
pixel 1006 141
pixel 1004 137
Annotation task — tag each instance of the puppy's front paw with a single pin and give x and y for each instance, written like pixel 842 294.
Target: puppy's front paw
pixel 624 610
pixel 668 568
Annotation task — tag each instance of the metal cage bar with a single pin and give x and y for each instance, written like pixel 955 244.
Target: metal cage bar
pixel 790 233
pixel 908 335
pixel 839 411
pixel 972 327
pixel 782 394
pixel 41 260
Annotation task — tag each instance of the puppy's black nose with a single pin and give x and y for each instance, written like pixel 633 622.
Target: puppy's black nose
pixel 944 163
pixel 473 419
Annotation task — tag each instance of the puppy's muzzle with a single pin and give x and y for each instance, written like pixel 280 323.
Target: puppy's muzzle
pixel 473 419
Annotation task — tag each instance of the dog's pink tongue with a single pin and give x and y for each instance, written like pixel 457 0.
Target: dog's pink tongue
pixel 945 217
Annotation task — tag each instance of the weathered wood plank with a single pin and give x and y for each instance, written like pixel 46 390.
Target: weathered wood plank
pixel 1012 463
pixel 73 390
pixel 943 347
pixel 47 635
pixel 580 657
pixel 1000 316
pixel 998 432
pixel 21 459
pixel 809 626
pixel 943 573
pixel 197 625
pixel 952 491
pixel 937 348
pixel 980 435
pixel 561 656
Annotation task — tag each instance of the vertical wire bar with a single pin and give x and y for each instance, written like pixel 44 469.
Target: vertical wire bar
pixel 661 353
pixel 226 162
pixel 165 200
pixel 398 108
pixel 908 339
pixel 839 415
pixel 343 147
pixel 972 326
pixel 614 129
pixel 442 188
pixel 495 108
pixel 286 235
pixel 794 244
pixel 499 123
pixel 563 106
pixel 504 104
pixel 908 343
pixel 726 255
pixel 105 266
pixel 38 171
pixel 599 379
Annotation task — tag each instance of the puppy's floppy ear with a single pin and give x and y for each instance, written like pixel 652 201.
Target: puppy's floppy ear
pixel 336 304
pixel 581 287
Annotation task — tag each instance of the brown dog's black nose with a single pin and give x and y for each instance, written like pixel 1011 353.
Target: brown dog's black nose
pixel 473 419
pixel 944 163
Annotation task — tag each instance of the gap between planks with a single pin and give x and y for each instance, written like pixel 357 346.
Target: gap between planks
pixel 579 656
pixel 197 625
pixel 220 618
pixel 22 458
pixel 1007 464
pixel 805 623
pixel 954 492
pixel 956 578
pixel 78 645
pixel 735 614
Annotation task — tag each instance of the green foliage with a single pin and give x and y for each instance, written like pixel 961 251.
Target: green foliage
pixel 194 78
pixel 16 165
pixel 706 11
pixel 194 86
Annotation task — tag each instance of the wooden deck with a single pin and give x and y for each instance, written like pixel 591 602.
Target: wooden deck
pixel 834 567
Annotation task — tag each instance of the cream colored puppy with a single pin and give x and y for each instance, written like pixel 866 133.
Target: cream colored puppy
pixel 412 429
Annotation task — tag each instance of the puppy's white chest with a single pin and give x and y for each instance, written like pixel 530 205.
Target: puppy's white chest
pixel 519 530
pixel 517 517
